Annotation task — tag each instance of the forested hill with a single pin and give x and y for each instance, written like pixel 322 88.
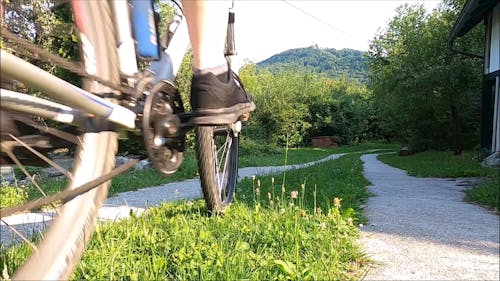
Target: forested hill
pixel 331 62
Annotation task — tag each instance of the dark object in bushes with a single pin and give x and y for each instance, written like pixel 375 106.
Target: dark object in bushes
pixel 326 141
pixel 404 151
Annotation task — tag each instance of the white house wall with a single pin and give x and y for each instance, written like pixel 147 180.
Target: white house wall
pixel 494 62
pixel 494 65
pixel 495 147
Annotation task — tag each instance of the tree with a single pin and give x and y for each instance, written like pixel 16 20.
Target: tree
pixel 44 25
pixel 293 107
pixel 280 111
pixel 425 96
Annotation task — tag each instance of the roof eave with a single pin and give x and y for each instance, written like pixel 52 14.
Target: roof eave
pixel 471 14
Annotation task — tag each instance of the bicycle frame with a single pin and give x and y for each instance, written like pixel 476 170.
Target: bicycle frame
pixel 76 102
pixel 151 102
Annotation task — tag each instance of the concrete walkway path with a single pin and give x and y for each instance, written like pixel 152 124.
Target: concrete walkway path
pixel 421 229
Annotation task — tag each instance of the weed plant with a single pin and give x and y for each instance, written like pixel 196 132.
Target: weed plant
pixel 315 186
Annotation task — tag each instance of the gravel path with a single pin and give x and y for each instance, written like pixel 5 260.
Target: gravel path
pixel 421 229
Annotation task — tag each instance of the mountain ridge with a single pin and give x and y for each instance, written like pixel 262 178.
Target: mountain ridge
pixel 330 62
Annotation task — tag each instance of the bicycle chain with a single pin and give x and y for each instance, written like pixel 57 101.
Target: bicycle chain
pixel 76 68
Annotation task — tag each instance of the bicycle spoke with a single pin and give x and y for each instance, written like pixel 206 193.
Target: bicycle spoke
pixel 219 153
pixel 55 132
pixel 224 157
pixel 43 157
pixel 221 164
pixel 25 172
pixel 20 235
pixel 68 194
pixel 32 179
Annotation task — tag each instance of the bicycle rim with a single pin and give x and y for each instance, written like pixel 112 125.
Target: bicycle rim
pixel 63 244
pixel 217 151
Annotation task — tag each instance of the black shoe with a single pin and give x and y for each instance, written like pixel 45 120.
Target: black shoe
pixel 219 99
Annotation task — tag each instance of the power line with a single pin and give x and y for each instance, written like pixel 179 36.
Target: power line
pixel 318 19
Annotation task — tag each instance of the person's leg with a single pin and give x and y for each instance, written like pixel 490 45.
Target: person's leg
pixel 207 24
pixel 217 96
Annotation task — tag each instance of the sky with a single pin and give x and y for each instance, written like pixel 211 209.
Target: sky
pixel 265 28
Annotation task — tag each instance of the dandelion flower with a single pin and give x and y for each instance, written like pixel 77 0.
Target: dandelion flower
pixel 189 203
pixel 294 194
pixel 253 177
pixel 336 202
pixel 272 180
pixel 282 210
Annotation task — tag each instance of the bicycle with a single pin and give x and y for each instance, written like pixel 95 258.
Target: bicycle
pixel 115 97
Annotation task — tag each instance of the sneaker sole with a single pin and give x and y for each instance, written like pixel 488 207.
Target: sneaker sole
pixel 221 116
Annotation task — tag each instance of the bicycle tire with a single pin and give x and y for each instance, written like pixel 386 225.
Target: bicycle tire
pixel 63 244
pixel 217 151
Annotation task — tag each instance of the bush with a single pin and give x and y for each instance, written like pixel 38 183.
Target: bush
pixel 250 146
pixel 293 107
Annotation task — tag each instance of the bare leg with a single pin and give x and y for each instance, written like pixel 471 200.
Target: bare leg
pixel 207 24
pixel 217 96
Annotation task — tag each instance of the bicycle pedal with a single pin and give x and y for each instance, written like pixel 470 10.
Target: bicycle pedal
pixel 244 117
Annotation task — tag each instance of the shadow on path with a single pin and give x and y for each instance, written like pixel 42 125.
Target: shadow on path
pixel 420 228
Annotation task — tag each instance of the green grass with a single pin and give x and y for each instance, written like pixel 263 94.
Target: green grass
pixel 289 239
pixel 12 195
pixel 316 186
pixel 487 193
pixel 133 180
pixel 276 156
pixel 444 164
pixel 260 156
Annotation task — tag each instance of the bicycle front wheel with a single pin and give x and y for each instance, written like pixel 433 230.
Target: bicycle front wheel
pixel 62 246
pixel 217 152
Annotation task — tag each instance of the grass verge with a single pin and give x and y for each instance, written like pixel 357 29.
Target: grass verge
pixel 300 232
pixel 444 164
pixel 133 180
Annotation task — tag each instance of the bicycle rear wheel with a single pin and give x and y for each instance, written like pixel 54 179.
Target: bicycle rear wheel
pixel 217 151
pixel 62 246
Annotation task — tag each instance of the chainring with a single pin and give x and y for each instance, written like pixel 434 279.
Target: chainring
pixel 163 137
